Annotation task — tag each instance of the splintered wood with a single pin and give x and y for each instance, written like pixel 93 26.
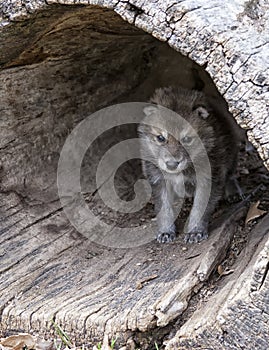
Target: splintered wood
pixel 91 289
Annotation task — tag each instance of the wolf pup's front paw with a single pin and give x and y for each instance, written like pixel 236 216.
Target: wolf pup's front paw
pixel 166 237
pixel 195 236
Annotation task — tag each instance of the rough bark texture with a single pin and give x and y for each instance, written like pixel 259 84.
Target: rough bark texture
pixel 235 317
pixel 60 63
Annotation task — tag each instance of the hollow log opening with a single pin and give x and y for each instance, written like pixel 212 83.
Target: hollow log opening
pixel 59 66
pixel 86 59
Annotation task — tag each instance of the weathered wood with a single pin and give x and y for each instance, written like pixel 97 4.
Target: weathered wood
pixel 60 63
pixel 236 315
pixel 47 271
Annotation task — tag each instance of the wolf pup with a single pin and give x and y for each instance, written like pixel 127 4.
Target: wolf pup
pixel 193 154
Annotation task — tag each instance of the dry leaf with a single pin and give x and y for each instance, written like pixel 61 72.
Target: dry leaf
pixel 19 342
pixel 220 270
pixel 254 212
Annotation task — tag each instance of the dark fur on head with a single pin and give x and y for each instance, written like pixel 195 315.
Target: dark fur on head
pixel 173 153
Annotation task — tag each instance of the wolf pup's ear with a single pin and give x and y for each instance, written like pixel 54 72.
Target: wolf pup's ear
pixel 150 110
pixel 201 112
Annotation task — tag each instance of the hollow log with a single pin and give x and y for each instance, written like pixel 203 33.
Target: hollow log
pixel 61 61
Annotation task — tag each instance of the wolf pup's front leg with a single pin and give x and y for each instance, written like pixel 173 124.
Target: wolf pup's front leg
pixel 196 228
pixel 163 202
pixel 205 199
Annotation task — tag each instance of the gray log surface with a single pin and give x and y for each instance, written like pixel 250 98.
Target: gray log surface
pixel 47 269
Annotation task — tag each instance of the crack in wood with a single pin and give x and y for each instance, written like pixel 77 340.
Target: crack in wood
pixel 43 218
pixel 265 274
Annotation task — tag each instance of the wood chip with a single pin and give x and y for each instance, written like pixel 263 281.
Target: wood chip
pixel 227 272
pixel 139 284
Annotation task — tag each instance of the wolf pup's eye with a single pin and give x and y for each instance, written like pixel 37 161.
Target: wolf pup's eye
pixel 187 140
pixel 160 138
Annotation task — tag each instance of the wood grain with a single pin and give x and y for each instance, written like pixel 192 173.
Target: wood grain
pixel 58 64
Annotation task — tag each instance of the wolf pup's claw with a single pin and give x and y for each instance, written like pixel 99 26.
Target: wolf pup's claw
pixel 166 237
pixel 195 237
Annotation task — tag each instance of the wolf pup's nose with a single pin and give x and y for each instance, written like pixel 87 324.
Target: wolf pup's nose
pixel 171 164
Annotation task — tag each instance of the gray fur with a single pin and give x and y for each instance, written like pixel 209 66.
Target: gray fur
pixel 219 145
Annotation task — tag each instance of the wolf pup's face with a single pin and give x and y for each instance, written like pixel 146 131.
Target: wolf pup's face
pixel 171 145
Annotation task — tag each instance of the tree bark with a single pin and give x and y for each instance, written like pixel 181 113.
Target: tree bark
pixel 61 61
